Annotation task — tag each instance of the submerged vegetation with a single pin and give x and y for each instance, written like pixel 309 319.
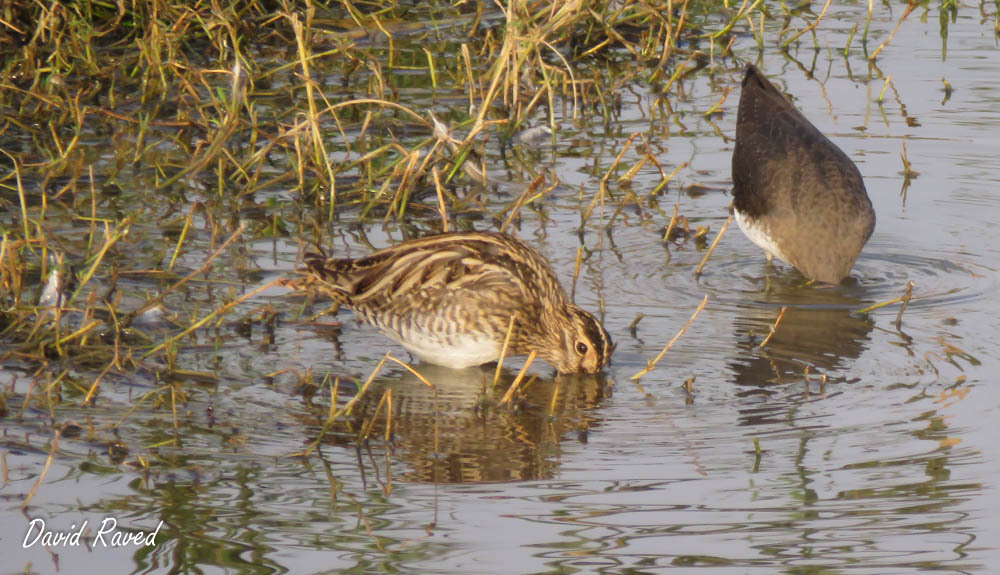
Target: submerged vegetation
pixel 152 151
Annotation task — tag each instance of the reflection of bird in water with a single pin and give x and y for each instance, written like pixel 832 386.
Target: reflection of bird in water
pixel 809 345
pixel 470 439
pixel 816 332
pixel 449 300
pixel 795 193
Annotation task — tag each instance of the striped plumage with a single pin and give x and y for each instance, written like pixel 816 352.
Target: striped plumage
pixel 449 298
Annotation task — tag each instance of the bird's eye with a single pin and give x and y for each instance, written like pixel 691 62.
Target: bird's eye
pixel 581 347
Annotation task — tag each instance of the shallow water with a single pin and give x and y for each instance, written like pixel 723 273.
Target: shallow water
pixel 878 449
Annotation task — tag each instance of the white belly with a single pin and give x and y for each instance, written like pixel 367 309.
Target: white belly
pixel 758 235
pixel 457 351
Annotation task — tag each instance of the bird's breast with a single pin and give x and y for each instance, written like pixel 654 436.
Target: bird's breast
pixel 759 233
pixel 452 349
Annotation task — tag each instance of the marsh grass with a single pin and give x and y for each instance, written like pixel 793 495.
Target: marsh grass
pixel 651 364
pixel 187 95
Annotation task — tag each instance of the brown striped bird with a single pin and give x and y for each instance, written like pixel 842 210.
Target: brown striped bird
pixel 449 299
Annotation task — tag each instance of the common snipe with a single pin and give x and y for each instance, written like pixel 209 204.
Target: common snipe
pixel 796 194
pixel 449 300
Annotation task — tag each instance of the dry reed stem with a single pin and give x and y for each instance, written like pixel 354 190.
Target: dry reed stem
pixel 909 9
pixel 442 206
pixel 20 195
pixel 603 186
pixel 722 100
pixel 45 470
pixel 670 41
pixel 367 428
pixel 774 327
pixel 576 272
pixel 110 239
pixel 740 14
pixel 704 260
pixel 666 179
pixel 503 350
pixel 850 38
pixel 388 425
pixel 677 73
pixel 905 297
pixel 906 302
pixel 885 88
pixel 411 369
pixel 631 172
pixel 136 405
pixel 382 103
pixel 868 23
pixel 807 28
pixel 672 224
pixel 92 391
pixel 509 396
pixel 572 78
pixel 470 76
pixel 555 399
pixel 652 363
pixel 521 200
pixel 908 171
pixel 180 238
pixel 82 331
